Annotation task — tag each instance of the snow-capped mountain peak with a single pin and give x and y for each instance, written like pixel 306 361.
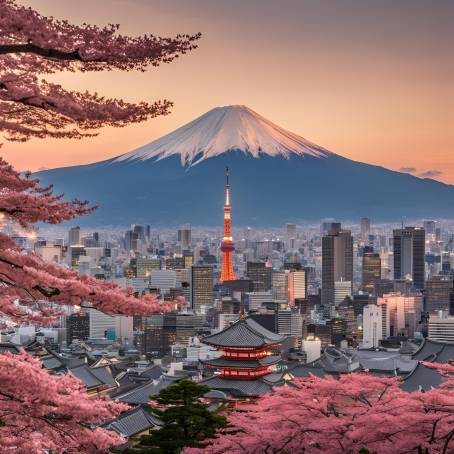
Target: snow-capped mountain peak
pixel 226 129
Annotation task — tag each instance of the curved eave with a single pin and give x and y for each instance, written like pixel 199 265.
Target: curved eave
pixel 238 364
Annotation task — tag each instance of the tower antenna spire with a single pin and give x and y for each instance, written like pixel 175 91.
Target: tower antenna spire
pixel 227 246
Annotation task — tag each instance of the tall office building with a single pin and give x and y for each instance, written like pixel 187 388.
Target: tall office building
pixel 371 271
pixel 441 328
pixel 260 275
pixel 403 313
pixel 184 237
pixel 201 286
pixel 280 286
pixel 337 262
pixel 77 326
pixel 342 290
pixel 365 228
pixel 131 240
pixel 373 331
pixel 409 250
pixel 291 235
pixel 74 236
pixel 143 266
pixel 439 294
pixel 297 285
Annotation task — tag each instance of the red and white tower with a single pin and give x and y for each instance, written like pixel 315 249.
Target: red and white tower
pixel 227 246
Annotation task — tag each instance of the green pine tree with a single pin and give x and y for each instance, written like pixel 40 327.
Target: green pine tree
pixel 187 421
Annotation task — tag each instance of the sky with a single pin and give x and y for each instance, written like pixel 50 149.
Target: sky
pixel 371 80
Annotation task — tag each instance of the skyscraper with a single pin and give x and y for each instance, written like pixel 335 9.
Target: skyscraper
pixel 365 228
pixel 371 269
pixel 439 294
pixel 74 236
pixel 337 262
pixel 260 275
pixel 409 250
pixel 227 246
pixel 184 237
pixel 201 286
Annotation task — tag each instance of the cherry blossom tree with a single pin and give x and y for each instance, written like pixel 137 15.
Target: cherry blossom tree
pixel 357 413
pixel 49 413
pixel 32 45
pixel 34 290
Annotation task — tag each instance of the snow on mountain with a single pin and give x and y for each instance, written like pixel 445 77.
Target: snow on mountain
pixel 226 129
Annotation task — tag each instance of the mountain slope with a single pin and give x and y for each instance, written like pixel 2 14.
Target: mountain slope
pixel 276 177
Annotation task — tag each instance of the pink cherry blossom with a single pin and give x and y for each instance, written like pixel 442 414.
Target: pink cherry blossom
pixel 32 45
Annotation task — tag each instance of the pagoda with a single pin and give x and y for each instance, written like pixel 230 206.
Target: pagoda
pixel 245 367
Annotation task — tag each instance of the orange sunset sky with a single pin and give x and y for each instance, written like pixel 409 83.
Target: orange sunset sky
pixel 372 80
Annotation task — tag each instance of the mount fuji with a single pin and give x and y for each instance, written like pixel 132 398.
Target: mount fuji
pixel 276 177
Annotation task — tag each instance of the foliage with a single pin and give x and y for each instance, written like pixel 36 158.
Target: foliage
pixel 32 45
pixel 186 420
pixel 358 412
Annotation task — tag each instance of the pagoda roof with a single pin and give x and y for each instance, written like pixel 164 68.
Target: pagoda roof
pixel 244 333
pixel 247 364
pixel 239 388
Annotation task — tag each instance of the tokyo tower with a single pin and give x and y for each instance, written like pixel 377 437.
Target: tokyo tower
pixel 227 246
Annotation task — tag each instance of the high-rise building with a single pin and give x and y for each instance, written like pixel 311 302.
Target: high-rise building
pixel 297 285
pixel 74 236
pixel 342 290
pixel 131 240
pixel 227 246
pixel 101 324
pixel 365 228
pixel 371 271
pixel 439 294
pixel 280 286
pixel 201 286
pixel 291 235
pixel 337 262
pixel 143 266
pixel 441 328
pixel 163 280
pixel 372 325
pixel 184 237
pixel 409 250
pixel 260 275
pixel 255 300
pixel 77 326
pixel 155 334
pixel 403 313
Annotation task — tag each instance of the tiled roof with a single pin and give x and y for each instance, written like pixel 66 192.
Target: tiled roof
pixel 428 350
pixel 422 378
pixel 51 362
pixel 223 362
pixel 238 388
pixel 244 333
pixel 303 370
pixel 8 347
pixel 141 394
pixel 133 422
pixel 94 377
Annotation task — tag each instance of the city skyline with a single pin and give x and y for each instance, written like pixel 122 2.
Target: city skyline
pixel 387 103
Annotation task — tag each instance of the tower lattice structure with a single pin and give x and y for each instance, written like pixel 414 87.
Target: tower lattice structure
pixel 227 246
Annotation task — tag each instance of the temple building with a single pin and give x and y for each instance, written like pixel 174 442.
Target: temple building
pixel 246 367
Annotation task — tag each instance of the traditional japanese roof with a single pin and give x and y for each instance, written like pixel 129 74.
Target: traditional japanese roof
pixel 239 388
pixel 141 394
pixel 434 351
pixel 305 370
pixel 133 422
pixel 239 364
pixel 8 347
pixel 244 333
pixel 94 377
pixel 51 362
pixel 422 378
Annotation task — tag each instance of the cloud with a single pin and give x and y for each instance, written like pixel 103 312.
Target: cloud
pixel 407 169
pixel 42 168
pixel 430 174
